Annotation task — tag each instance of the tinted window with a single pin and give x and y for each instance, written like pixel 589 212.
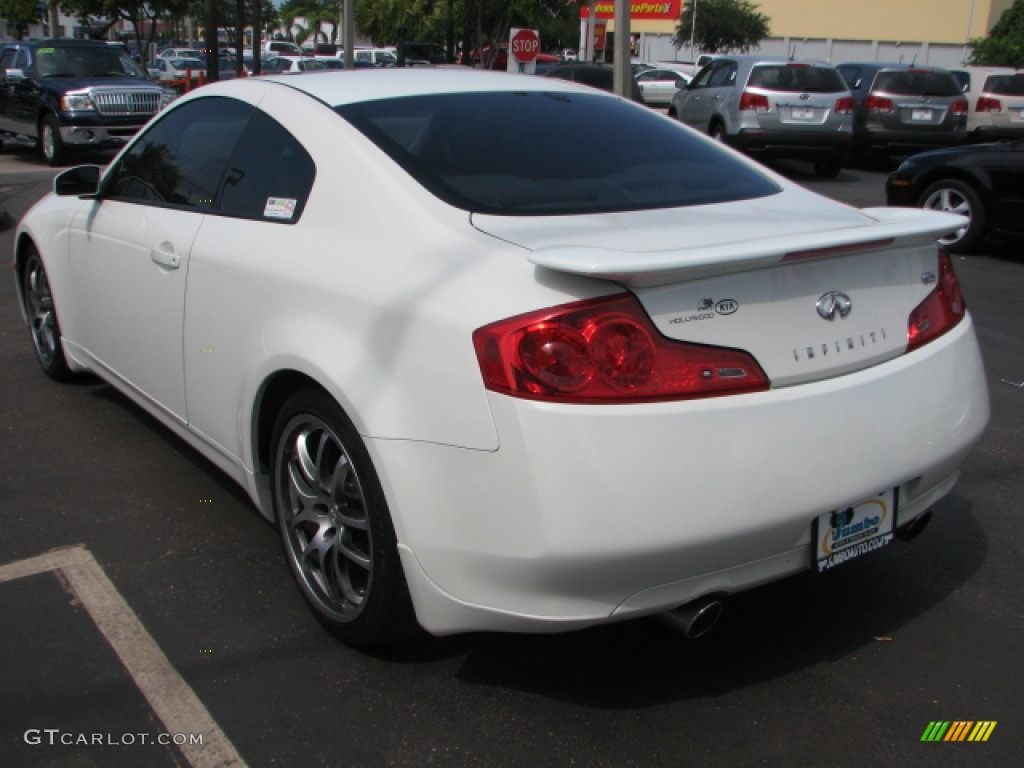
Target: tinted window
pixel 914 82
pixel 529 153
pixel 1005 85
pixel 796 78
pixel 852 75
pixel 180 160
pixel 269 176
pixel 723 73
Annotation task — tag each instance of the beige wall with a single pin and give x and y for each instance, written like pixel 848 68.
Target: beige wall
pixel 933 21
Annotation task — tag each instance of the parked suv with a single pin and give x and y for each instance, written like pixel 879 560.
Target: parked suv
pixel 772 108
pixel 902 109
pixel 995 102
pixel 63 95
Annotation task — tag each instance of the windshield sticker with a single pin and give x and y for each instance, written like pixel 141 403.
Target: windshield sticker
pixel 44 51
pixel 280 208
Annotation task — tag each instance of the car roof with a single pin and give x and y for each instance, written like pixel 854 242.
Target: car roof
pixel 336 87
pixel 892 65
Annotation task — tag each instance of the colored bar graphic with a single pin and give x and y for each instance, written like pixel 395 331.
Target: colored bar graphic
pixel 982 730
pixel 958 730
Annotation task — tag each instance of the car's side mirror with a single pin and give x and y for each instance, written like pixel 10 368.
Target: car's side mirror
pixel 82 180
pixel 14 75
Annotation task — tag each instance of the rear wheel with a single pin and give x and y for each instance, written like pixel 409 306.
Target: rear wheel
pixel 42 318
pixel 717 132
pixel 335 525
pixel 955 196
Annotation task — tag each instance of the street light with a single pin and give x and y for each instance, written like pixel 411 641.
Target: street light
pixel 693 30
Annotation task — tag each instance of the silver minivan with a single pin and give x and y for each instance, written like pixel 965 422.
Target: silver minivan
pixel 772 108
pixel 903 108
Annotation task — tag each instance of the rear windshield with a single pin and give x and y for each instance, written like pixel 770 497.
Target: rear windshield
pixel 917 83
pixel 1005 85
pixel 796 78
pixel 551 153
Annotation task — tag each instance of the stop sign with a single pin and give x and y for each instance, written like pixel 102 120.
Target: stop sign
pixel 525 45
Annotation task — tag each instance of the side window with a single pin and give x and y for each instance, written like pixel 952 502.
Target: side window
pixel 24 61
pixel 269 176
pixel 180 160
pixel 7 59
pixel 703 77
pixel 724 74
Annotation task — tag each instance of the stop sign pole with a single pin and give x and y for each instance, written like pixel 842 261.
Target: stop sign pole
pixel 523 47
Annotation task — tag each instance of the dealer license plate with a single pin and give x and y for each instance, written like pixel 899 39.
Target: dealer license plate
pixel 850 532
pixel 921 115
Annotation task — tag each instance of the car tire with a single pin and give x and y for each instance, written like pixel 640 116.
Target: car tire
pixel 42 318
pixel 827 169
pixel 717 132
pixel 334 524
pixel 955 196
pixel 50 142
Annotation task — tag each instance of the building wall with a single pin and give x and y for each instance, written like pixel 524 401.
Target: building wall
pixel 922 31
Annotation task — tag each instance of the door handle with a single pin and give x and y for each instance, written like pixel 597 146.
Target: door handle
pixel 165 256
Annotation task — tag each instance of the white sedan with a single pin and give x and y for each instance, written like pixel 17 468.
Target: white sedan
pixel 172 69
pixel 506 381
pixel 659 85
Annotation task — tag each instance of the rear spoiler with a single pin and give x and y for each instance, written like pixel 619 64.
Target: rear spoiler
pixel 642 269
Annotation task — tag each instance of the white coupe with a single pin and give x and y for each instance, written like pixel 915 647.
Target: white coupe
pixel 499 352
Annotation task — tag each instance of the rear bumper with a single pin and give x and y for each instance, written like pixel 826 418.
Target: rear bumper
pixel 781 144
pixel 987 133
pixel 593 514
pixel 907 142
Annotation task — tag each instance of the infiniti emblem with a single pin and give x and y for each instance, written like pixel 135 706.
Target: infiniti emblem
pixel 834 303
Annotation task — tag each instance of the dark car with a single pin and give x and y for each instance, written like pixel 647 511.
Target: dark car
pixel 74 94
pixel 595 75
pixel 984 182
pixel 901 108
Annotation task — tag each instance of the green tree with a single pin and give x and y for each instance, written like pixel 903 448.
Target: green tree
pixel 19 14
pixel 316 13
pixel 722 25
pixel 1004 46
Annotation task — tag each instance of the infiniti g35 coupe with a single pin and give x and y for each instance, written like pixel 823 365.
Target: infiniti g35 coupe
pixel 484 378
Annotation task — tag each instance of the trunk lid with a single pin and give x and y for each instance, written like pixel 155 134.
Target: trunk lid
pixel 811 288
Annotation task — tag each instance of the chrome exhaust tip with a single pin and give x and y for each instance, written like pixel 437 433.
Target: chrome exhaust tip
pixel 696 618
pixel 913 529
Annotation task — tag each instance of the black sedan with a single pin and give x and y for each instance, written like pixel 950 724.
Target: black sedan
pixel 983 182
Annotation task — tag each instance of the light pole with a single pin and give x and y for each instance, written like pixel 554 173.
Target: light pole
pixel 693 30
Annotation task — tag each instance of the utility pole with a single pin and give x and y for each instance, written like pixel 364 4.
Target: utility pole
pixel 623 77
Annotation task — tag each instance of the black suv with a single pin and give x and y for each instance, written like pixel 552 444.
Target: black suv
pixel 69 94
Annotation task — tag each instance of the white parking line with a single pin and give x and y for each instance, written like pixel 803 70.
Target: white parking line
pixel 172 700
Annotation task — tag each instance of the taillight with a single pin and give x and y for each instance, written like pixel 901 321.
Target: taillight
pixel 940 311
pixel 988 104
pixel 960 107
pixel 845 106
pixel 756 102
pixel 605 350
pixel 878 104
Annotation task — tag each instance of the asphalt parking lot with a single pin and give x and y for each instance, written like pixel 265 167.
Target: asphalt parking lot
pixel 147 616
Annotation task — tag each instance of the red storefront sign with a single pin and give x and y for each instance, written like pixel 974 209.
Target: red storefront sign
pixel 638 9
